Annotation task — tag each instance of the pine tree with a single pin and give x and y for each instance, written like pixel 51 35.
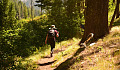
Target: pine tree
pixel 43 4
pixel 19 10
pixel 29 12
pixel 3 13
pixel 22 10
pixel 33 11
pixel 16 8
pixel 25 12
pixel 11 14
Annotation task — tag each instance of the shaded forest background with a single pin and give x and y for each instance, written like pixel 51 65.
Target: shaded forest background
pixel 19 38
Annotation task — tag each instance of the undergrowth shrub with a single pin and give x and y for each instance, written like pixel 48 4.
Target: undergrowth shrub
pixel 21 40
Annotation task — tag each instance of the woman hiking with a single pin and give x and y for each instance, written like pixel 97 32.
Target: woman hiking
pixel 52 33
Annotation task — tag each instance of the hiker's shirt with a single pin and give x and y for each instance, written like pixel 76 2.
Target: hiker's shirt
pixel 53 38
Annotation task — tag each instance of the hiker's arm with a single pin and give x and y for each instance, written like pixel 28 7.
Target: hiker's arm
pixel 46 39
pixel 57 33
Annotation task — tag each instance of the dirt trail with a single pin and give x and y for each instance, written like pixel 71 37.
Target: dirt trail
pixel 46 62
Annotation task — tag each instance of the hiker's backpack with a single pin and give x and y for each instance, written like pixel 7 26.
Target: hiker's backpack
pixel 51 33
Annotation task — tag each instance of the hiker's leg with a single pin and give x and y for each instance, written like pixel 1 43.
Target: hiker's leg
pixel 52 47
pixel 52 44
pixel 51 51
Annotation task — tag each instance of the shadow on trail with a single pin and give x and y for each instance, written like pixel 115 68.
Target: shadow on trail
pixel 78 51
pixel 48 63
pixel 46 57
pixel 70 61
pixel 65 65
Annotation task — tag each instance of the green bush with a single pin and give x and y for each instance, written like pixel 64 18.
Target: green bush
pixel 21 40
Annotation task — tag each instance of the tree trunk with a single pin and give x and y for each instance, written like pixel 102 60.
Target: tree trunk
pixel 96 19
pixel 116 13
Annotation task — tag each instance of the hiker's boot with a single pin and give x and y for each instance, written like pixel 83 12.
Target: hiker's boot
pixel 51 53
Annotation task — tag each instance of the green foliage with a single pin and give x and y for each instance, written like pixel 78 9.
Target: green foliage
pixel 111 5
pixel 25 12
pixel 7 48
pixel 29 12
pixel 23 39
pixel 66 17
pixel 12 36
pixel 11 14
pixel 3 13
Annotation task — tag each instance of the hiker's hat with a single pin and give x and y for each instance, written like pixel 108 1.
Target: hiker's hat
pixel 52 27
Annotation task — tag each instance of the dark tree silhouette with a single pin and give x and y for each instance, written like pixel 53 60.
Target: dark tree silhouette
pixel 96 19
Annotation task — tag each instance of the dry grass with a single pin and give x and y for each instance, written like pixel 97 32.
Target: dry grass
pixel 107 58
pixel 103 64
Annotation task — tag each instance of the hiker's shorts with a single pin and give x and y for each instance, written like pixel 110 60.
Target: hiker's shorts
pixel 51 42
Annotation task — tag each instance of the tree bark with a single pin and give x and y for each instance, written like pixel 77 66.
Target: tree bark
pixel 96 19
pixel 117 12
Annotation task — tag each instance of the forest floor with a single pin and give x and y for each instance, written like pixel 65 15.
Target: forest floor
pixel 103 55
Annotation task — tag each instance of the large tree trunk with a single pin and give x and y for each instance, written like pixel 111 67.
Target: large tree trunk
pixel 96 19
